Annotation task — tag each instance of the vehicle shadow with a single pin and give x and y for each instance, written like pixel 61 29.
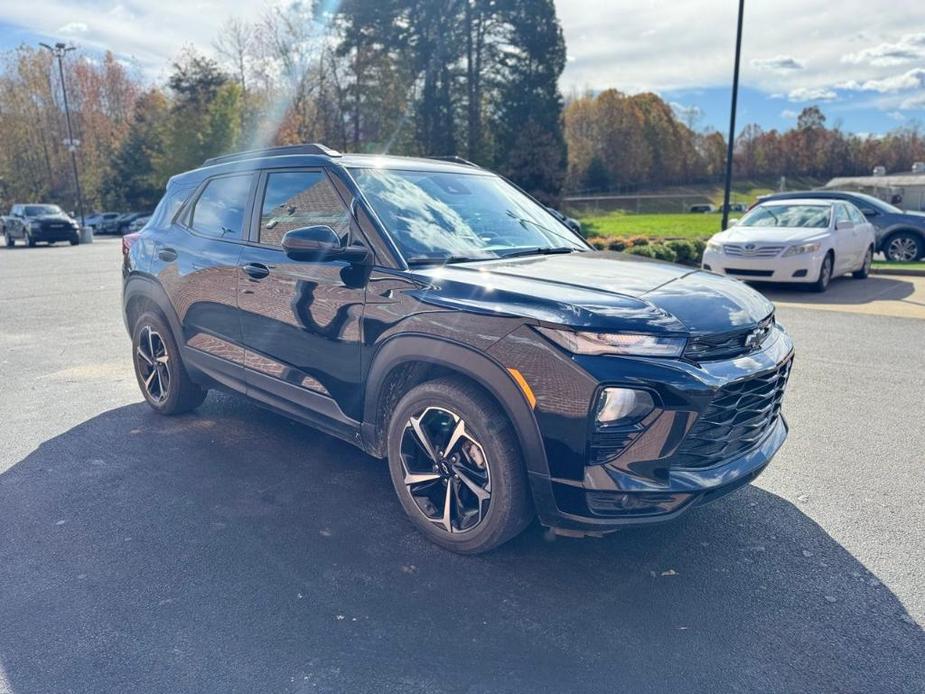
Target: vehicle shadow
pixel 234 550
pixel 842 290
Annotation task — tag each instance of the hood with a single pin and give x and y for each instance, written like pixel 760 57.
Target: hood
pixel 764 235
pixel 598 290
pixel 51 218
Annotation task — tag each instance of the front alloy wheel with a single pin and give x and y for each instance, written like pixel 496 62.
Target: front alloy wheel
pixel 445 470
pixel 457 467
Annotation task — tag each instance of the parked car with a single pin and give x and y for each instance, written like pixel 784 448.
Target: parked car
pixel 434 315
pixel 900 236
pixel 137 223
pixel 799 240
pixel 124 222
pixel 103 222
pixel 570 222
pixel 35 223
pixel 701 209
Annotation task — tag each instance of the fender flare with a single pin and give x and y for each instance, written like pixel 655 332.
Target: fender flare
pixel 142 286
pixel 468 362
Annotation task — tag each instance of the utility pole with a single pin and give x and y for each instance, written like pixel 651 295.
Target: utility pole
pixel 59 50
pixel 732 118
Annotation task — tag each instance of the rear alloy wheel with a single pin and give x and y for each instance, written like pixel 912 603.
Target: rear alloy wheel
pixel 825 275
pixel 161 375
pixel 457 468
pixel 903 247
pixel 864 271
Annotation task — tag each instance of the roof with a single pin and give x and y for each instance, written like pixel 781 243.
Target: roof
pixel 808 200
pixel 898 180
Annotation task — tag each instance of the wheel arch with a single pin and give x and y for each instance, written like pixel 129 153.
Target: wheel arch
pixel 405 361
pixel 140 292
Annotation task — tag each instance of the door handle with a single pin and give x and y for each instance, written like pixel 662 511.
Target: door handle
pixel 168 255
pixel 256 271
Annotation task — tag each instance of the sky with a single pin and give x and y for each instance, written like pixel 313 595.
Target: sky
pixel 862 62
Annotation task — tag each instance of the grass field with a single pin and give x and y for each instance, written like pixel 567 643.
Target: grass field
pixel 619 224
pixel 918 267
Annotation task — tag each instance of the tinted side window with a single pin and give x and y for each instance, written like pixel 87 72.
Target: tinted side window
pixel 297 199
pixel 219 211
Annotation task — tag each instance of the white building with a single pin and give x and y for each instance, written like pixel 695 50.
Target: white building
pixel 905 190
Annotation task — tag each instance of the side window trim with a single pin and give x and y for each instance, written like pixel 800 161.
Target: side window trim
pixel 184 215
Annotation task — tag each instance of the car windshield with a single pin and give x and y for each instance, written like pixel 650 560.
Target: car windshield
pixel 39 210
pixel 453 217
pixel 788 216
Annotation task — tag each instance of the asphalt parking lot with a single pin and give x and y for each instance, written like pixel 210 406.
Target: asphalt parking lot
pixel 232 550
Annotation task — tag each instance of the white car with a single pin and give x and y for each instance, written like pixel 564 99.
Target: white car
pixel 806 241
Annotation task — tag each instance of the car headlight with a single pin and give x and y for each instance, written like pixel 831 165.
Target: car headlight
pixel 802 248
pixel 714 246
pixel 625 344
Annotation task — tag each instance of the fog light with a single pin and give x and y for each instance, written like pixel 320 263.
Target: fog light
pixel 623 405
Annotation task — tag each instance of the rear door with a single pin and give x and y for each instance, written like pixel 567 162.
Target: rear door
pixel 863 233
pixel 196 261
pixel 301 320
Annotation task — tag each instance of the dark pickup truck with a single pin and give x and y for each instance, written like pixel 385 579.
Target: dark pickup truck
pixel 39 223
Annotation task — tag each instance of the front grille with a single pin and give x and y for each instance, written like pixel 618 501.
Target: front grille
pixel 728 345
pixel 748 273
pixel 753 252
pixel 736 421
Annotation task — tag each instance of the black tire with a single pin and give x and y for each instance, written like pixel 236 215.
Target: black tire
pixel 29 240
pixel 10 241
pixel 179 394
pixel 864 271
pixel 904 246
pixel 508 508
pixel 825 275
pixel 75 241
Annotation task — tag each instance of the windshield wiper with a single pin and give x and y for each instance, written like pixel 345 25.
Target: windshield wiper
pixel 540 251
pixel 446 260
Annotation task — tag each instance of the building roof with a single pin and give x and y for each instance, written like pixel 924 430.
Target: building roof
pixel 903 180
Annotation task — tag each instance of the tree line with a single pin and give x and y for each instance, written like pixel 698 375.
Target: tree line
pixel 472 78
pixel 618 141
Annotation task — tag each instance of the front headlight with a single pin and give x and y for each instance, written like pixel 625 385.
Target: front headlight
pixel 624 344
pixel 802 248
pixel 714 246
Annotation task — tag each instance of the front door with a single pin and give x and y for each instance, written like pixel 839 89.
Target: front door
pixel 301 320
pixel 845 241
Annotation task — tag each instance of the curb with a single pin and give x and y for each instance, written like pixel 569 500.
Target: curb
pixel 900 271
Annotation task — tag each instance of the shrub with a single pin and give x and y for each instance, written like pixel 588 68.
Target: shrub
pixel 638 241
pixel 645 250
pixel 684 250
pixel 599 242
pixel 617 244
pixel 664 252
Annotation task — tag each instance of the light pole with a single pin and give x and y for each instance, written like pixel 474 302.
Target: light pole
pixel 732 119
pixel 59 50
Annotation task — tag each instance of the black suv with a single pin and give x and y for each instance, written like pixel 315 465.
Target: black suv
pixel 900 236
pixel 433 314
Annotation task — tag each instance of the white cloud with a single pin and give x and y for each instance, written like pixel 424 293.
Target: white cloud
pixel 913 103
pixel 910 47
pixel 896 115
pixel 780 63
pixel 789 114
pixel 74 28
pixel 811 94
pixel 911 79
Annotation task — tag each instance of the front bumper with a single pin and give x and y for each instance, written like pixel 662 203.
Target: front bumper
pixel 63 232
pixel 795 268
pixel 670 464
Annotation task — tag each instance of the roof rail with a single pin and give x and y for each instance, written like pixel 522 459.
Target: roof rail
pixel 456 160
pixel 314 148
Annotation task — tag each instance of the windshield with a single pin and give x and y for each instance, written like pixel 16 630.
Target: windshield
pixel 39 210
pixel 788 216
pixel 452 217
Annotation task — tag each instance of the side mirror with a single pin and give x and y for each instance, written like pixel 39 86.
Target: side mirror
pixel 320 242
pixel 869 212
